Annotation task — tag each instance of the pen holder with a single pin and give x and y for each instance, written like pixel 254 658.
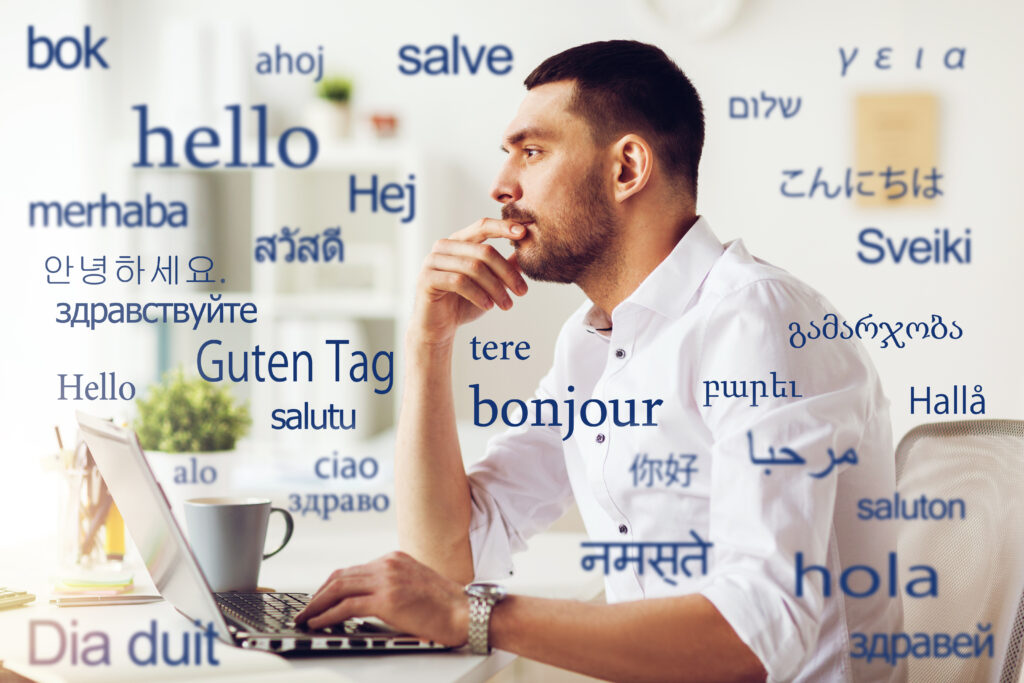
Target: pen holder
pixel 83 507
pixel 68 518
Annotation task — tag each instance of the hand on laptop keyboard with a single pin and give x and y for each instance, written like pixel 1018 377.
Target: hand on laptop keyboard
pixel 275 613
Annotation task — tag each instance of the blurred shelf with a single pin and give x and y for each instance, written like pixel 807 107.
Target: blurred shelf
pixel 371 305
pixel 364 305
pixel 362 297
pixel 332 156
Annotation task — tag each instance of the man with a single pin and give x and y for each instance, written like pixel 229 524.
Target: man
pixel 599 189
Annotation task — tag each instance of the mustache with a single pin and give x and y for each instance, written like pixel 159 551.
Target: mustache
pixel 511 212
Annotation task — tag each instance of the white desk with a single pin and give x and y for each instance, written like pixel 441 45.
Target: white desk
pixel 549 569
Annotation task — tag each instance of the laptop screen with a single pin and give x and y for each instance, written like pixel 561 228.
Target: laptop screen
pixel 148 517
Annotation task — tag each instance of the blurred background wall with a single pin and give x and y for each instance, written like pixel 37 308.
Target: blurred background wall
pixel 71 135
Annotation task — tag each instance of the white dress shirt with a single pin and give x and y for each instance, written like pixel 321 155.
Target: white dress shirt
pixel 710 312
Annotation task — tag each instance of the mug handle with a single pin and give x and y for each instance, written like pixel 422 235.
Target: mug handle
pixel 289 526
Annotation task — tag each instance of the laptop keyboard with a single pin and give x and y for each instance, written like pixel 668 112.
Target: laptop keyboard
pixel 265 612
pixel 275 613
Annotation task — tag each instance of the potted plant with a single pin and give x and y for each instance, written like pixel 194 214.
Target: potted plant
pixel 330 115
pixel 188 428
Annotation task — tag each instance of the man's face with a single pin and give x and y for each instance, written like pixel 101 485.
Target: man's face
pixel 555 181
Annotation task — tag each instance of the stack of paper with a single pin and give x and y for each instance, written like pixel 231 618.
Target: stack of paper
pixel 94 582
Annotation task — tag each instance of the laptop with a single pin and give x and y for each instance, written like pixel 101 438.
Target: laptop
pixel 257 621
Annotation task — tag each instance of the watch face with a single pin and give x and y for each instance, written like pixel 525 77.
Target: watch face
pixel 489 591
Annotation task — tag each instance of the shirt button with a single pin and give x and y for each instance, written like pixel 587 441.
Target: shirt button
pixel 600 438
pixel 620 353
pixel 623 528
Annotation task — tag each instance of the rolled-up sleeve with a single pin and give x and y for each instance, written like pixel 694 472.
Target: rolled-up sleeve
pixel 519 488
pixel 762 517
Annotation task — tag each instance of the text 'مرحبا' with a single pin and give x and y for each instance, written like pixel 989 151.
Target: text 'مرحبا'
pixel 785 456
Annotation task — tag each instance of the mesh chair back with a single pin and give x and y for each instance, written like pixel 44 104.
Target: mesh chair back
pixel 979 559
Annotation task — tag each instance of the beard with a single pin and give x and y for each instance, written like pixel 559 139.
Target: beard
pixel 568 245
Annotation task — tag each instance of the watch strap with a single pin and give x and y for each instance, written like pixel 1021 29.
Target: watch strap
pixel 479 624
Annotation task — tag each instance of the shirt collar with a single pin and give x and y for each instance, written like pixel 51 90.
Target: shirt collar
pixel 669 287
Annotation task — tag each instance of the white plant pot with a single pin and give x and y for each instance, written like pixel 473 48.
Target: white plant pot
pixel 330 120
pixel 183 476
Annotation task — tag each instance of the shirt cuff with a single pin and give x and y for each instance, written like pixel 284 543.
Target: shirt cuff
pixel 491 540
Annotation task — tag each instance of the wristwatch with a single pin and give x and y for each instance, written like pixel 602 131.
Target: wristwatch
pixel 482 598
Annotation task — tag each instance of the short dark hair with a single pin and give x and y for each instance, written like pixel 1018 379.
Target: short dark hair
pixel 624 86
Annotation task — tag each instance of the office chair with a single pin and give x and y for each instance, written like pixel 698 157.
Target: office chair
pixel 980 558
